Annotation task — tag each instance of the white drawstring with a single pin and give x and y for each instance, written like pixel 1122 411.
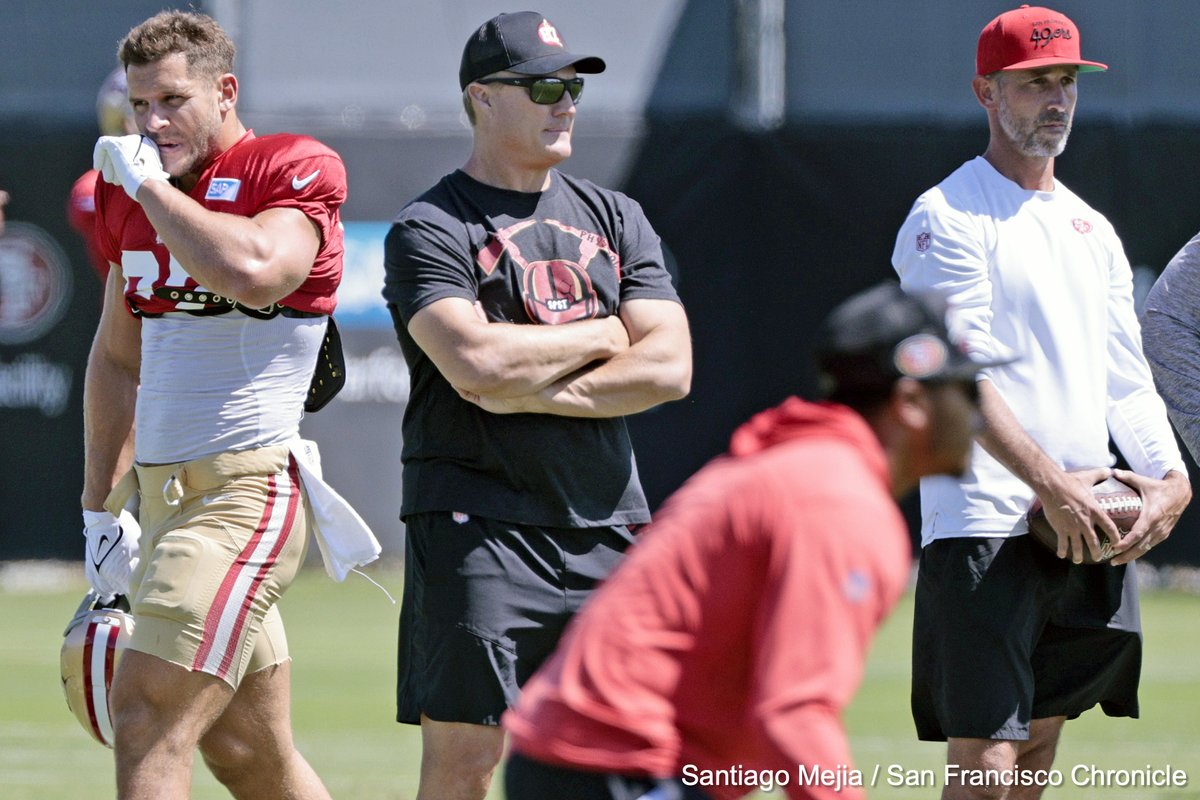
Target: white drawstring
pixel 368 577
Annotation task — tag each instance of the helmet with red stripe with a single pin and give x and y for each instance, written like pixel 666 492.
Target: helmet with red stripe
pixel 92 645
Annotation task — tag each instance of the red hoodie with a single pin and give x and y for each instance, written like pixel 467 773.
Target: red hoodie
pixel 736 629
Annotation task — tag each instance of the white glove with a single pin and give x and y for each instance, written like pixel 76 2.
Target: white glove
pixel 128 161
pixel 111 552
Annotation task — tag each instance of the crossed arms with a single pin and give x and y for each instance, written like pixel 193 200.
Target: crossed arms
pixel 606 367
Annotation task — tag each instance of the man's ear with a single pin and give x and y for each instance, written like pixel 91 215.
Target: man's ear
pixel 227 85
pixel 910 404
pixel 480 94
pixel 987 91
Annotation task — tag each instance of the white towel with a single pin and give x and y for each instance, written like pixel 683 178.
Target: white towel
pixel 345 540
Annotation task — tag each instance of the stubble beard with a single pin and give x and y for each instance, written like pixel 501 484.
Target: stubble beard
pixel 201 149
pixel 1029 139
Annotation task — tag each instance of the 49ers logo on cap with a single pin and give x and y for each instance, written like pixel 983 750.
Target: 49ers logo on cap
pixel 920 356
pixel 1043 36
pixel 548 34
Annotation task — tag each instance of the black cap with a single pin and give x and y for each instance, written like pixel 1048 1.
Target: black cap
pixel 524 42
pixel 883 334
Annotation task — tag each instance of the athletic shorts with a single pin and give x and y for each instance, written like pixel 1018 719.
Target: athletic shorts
pixel 484 604
pixel 526 779
pixel 1005 632
pixel 222 537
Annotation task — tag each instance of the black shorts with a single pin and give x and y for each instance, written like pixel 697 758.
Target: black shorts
pixel 1005 632
pixel 485 602
pixel 526 779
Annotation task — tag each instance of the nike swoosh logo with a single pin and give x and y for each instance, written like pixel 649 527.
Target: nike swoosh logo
pixel 299 183
pixel 104 548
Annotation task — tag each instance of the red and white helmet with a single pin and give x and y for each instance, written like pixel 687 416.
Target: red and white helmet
pixel 92 645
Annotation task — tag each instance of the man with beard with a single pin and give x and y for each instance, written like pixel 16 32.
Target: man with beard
pixel 719 656
pixel 225 252
pixel 1010 640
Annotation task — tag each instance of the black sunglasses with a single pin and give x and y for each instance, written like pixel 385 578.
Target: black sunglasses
pixel 544 91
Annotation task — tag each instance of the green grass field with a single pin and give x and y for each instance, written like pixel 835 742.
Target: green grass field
pixel 343 641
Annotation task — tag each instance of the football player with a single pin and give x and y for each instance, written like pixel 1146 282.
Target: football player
pixel 225 251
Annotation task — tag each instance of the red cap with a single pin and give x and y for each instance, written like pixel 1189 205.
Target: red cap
pixel 1028 38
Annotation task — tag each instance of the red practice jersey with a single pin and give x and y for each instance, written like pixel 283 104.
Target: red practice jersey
pixel 81 213
pixel 736 630
pixel 277 171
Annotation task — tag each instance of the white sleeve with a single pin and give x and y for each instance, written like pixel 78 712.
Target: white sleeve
pixel 1137 417
pixel 942 251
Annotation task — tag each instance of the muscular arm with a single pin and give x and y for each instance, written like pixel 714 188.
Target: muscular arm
pixel 656 368
pixel 503 360
pixel 1070 507
pixel 109 395
pixel 256 260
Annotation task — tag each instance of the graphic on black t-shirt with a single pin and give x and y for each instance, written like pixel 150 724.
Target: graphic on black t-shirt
pixel 557 290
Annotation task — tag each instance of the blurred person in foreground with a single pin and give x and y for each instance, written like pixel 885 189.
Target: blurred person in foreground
pixel 4 198
pixel 114 118
pixel 535 312
pixel 225 252
pixel 1011 641
pixel 719 656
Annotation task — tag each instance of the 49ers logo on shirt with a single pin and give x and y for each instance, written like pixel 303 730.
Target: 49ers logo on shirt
pixel 1082 225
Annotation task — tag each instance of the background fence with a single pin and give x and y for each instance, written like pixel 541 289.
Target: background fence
pixel 776 146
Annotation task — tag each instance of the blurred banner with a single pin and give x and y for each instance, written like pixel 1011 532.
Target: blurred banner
pixel 49 305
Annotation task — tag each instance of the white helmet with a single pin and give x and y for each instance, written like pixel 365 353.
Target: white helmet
pixel 114 116
pixel 93 643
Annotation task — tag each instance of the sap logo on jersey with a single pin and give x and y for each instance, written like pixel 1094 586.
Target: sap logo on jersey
pixel 223 189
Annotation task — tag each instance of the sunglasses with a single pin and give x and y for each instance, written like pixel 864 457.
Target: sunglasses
pixel 544 91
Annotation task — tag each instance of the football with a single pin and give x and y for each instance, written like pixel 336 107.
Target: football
pixel 1122 503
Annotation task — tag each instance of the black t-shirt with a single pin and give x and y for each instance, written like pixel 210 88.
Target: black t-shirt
pixel 575 251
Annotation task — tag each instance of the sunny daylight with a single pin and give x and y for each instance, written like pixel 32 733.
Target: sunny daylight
pixel 683 400
pixel 348 733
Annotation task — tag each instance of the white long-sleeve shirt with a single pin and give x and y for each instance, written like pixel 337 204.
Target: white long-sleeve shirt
pixel 1042 276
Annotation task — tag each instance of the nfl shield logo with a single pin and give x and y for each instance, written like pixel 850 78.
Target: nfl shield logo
pixel 223 189
pixel 923 241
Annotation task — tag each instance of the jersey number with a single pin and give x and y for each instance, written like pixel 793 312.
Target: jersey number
pixel 142 273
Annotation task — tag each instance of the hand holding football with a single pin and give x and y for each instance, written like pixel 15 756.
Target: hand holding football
pixel 1120 501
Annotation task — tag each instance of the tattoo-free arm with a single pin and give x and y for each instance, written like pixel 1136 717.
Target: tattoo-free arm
pixel 109 395
pixel 500 359
pixel 256 260
pixel 1066 496
pixel 656 368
